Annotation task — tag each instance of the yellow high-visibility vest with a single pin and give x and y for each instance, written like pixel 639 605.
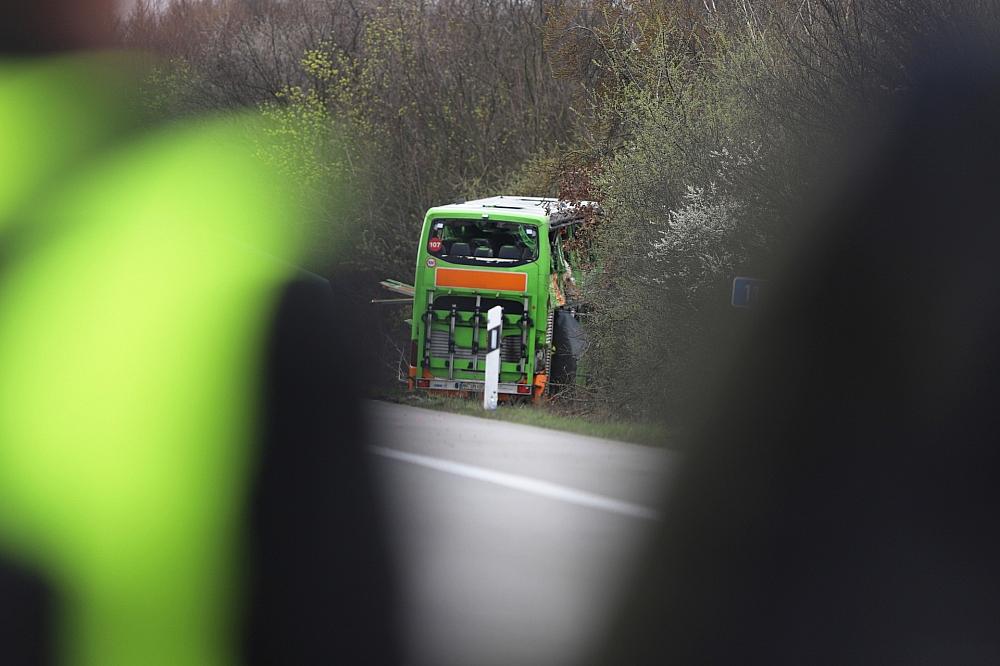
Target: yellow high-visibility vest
pixel 135 290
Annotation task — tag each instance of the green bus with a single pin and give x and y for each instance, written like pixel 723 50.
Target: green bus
pixel 476 255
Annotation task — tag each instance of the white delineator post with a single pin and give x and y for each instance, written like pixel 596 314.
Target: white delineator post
pixel 494 328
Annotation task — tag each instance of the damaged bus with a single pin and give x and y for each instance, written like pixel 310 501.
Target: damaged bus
pixel 507 251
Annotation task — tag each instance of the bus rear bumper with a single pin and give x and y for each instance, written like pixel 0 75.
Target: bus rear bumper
pixel 471 386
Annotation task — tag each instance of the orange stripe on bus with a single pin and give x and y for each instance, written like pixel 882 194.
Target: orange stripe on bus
pixel 488 280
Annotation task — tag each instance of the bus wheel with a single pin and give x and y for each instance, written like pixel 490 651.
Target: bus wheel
pixel 569 340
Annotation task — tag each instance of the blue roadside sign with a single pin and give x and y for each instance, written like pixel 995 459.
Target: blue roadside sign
pixel 746 292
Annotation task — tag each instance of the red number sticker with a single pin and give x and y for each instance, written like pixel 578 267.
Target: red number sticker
pixel 434 245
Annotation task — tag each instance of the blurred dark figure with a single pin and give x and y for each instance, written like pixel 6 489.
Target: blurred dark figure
pixel 269 486
pixel 320 588
pixel 26 616
pixel 840 506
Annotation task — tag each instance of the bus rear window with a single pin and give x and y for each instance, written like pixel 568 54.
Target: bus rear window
pixel 483 242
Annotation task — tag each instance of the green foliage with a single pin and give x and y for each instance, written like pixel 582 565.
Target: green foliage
pixel 707 126
pixel 430 115
pixel 684 211
pixel 298 136
pixel 166 87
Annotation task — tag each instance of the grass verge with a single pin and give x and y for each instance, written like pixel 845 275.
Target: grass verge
pixel 543 416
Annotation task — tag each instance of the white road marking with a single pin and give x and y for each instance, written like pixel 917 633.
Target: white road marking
pixel 522 483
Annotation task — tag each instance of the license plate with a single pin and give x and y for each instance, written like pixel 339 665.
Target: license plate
pixel 470 386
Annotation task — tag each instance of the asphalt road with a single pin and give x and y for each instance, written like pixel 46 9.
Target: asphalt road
pixel 512 541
